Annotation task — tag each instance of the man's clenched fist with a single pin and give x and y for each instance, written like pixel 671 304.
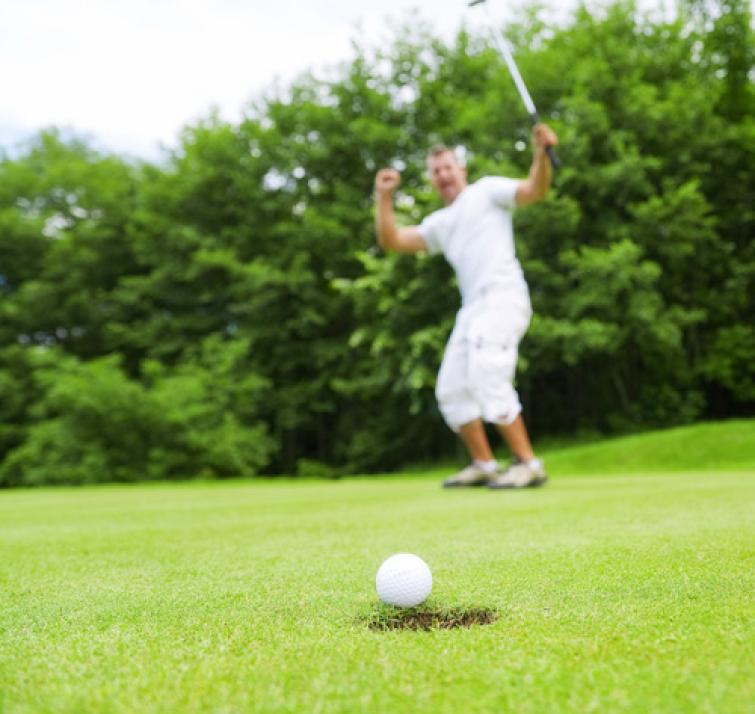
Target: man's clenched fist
pixel 387 181
pixel 544 136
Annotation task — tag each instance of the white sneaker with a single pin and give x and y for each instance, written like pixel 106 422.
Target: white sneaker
pixel 520 475
pixel 472 475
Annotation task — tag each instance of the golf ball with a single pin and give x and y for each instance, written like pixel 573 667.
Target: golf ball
pixel 404 580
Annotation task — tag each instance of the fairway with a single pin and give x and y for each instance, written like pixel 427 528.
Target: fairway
pixel 620 593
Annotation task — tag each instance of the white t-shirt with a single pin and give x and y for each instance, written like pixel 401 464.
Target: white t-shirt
pixel 475 234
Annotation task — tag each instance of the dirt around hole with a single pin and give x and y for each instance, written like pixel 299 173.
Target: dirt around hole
pixel 418 618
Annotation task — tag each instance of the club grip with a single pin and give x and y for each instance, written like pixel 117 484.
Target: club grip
pixel 553 156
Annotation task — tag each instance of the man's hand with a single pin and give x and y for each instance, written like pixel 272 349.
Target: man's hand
pixel 386 182
pixel 390 237
pixel 543 137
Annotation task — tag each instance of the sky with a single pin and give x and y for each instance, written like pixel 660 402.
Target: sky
pixel 130 73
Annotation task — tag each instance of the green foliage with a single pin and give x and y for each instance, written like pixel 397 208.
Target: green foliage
pixel 90 422
pixel 227 312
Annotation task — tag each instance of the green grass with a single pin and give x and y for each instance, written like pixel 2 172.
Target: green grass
pixel 714 446
pixel 624 592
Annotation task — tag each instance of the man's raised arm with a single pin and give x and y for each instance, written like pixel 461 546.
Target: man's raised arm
pixel 389 236
pixel 535 186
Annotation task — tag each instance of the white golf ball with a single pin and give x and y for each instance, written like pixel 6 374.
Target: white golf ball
pixel 404 580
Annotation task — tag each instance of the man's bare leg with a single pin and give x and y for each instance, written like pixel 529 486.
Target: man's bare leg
pixel 516 436
pixel 528 471
pixel 483 466
pixel 476 440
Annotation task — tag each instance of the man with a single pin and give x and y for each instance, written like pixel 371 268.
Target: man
pixel 474 232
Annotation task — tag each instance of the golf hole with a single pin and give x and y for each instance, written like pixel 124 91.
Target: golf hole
pixel 430 618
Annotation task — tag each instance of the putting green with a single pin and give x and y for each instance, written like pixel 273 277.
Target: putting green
pixel 612 593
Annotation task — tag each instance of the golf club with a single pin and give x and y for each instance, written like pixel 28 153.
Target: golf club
pixel 518 81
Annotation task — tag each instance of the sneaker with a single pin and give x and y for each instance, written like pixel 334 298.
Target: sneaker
pixel 520 475
pixel 472 475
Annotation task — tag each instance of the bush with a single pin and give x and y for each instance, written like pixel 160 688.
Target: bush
pixel 94 424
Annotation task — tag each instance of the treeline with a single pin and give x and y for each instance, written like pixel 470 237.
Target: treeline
pixel 227 313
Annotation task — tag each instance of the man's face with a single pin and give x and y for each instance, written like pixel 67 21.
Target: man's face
pixel 447 176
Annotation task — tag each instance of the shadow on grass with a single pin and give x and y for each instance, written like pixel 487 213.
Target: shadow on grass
pixel 428 618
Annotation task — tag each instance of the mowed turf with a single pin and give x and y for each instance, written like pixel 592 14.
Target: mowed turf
pixel 623 592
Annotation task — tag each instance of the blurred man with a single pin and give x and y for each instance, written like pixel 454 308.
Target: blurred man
pixel 474 232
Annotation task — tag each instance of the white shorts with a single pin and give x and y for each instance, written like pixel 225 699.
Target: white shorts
pixel 477 374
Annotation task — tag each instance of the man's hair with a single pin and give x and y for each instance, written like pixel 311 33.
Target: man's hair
pixel 440 149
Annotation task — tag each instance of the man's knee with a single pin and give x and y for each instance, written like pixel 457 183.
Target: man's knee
pixel 456 406
pixel 500 403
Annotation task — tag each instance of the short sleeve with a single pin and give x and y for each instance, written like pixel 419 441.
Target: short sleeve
pixel 502 191
pixel 431 231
